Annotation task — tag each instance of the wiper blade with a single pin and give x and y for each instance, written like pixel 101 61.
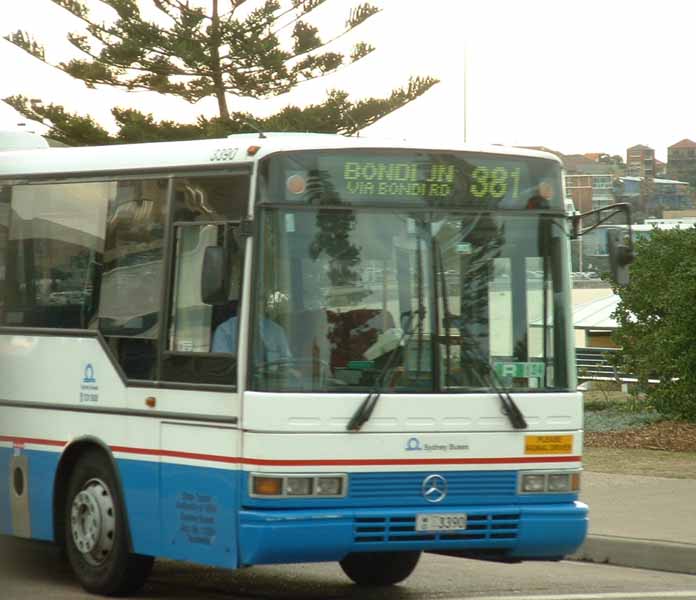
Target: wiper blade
pixel 510 408
pixel 364 411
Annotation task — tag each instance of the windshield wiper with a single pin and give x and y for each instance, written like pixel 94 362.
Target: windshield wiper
pixel 364 411
pixel 511 410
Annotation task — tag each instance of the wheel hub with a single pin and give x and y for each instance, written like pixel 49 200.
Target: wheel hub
pixel 92 521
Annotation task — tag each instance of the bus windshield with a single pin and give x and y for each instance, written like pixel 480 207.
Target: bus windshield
pixel 464 298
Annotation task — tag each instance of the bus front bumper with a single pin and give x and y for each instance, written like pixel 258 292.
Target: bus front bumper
pixel 527 532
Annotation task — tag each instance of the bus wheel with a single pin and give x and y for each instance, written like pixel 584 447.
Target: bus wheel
pixel 379 568
pixel 96 537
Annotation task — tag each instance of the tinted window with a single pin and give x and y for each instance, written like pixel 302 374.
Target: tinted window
pixel 131 283
pixel 54 237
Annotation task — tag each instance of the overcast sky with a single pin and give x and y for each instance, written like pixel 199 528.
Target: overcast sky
pixel 590 76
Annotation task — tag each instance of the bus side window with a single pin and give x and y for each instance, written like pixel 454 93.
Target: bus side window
pixel 51 244
pixel 132 274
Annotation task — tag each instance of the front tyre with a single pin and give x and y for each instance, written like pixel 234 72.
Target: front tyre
pixel 379 568
pixel 96 536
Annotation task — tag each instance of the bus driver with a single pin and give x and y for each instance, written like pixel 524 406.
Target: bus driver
pixel 273 340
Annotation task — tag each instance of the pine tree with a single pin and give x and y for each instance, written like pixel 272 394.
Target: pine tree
pixel 237 48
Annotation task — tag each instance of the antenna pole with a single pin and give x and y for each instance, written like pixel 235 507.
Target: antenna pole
pixel 465 90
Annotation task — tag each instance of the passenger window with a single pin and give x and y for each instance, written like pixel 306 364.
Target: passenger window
pixel 132 275
pixel 211 198
pixel 131 285
pixel 52 242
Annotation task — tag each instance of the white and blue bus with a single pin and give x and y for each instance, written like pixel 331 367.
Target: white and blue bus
pixel 286 348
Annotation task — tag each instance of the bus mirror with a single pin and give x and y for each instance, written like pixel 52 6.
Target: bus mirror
pixel 620 255
pixel 215 280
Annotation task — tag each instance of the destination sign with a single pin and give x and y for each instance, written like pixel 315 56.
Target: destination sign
pixel 452 179
pixel 381 178
pixel 431 180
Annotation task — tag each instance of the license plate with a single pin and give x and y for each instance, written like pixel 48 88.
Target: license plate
pixel 440 521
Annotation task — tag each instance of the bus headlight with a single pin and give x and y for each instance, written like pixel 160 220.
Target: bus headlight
pixel 329 486
pixel 559 482
pixel 533 482
pixel 305 486
pixel 298 486
pixel 551 482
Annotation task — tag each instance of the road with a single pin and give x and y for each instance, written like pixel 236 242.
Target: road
pixel 34 570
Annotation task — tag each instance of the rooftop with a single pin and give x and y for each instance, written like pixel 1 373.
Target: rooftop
pixel 685 143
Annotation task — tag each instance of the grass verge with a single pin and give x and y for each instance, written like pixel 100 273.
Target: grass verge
pixel 654 463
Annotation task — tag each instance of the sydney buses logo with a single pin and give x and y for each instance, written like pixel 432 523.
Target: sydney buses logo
pixel 89 390
pixel 414 444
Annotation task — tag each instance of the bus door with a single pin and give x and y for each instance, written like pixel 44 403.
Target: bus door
pixel 200 474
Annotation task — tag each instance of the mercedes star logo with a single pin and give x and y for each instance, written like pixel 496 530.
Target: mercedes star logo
pixel 434 488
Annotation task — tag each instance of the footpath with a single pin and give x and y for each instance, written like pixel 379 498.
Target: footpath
pixel 641 522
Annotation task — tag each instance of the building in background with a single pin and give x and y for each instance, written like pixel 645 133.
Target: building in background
pixel 579 190
pixel 640 161
pixel 589 192
pixel 660 169
pixel 681 161
pixel 650 197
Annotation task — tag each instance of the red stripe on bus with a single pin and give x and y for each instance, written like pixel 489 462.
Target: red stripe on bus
pixel 309 462
pixel 24 440
pixel 408 461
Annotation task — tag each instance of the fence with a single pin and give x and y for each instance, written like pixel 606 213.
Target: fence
pixel 594 364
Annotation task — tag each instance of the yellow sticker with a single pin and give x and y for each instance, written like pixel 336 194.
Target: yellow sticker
pixel 548 444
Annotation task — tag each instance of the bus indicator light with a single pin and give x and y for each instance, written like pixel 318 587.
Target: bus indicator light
pixel 268 486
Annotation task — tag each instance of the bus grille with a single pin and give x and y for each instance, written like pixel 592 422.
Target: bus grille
pixel 403 529
pixel 464 487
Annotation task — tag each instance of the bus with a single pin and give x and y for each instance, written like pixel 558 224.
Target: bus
pixel 287 348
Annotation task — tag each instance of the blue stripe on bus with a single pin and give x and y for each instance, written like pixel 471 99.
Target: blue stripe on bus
pixel 42 473
pixel 193 513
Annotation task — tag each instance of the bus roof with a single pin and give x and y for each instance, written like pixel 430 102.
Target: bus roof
pixel 226 152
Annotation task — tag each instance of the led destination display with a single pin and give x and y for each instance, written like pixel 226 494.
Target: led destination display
pixel 381 178
pixel 448 179
pixel 429 180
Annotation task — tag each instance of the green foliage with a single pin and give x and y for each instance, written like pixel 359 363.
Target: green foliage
pixel 65 127
pixel 26 43
pixel 657 321
pixel 201 54
pixel 335 114
pixel 267 51
pixel 617 420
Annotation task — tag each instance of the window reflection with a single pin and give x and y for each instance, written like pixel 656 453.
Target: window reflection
pixel 441 298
